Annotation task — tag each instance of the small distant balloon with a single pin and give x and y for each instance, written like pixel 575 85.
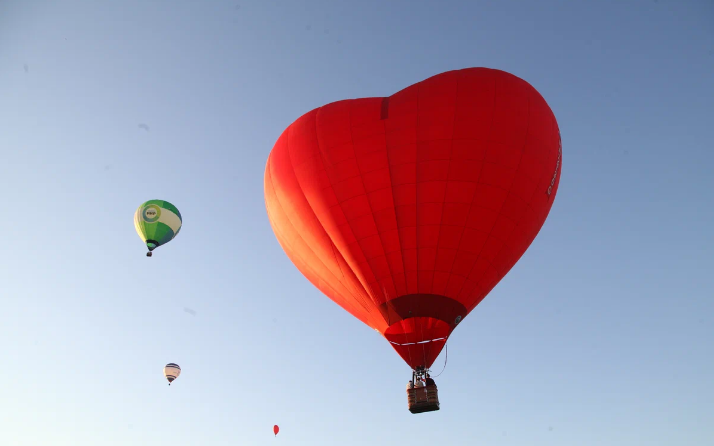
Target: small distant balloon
pixel 171 372
pixel 157 222
pixel 276 429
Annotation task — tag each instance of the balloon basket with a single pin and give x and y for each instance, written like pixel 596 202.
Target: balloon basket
pixel 423 399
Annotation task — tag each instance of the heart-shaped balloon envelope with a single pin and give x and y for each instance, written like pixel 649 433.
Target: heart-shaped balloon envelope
pixel 407 210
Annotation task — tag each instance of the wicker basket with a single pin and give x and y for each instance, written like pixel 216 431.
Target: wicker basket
pixel 423 399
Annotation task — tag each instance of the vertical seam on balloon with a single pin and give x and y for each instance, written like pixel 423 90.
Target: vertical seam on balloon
pixel 333 246
pixel 279 235
pixel 528 127
pixel 416 207
pixel 448 171
pixel 349 306
pixel 543 213
pixel 545 210
pixel 416 186
pixel 278 231
pixel 328 235
pixel 535 189
pixel 406 340
pixel 423 345
pixel 520 160
pixel 478 178
pixel 367 314
pixel 416 176
pixel 384 109
pixel 394 208
pixel 416 219
pixel 371 210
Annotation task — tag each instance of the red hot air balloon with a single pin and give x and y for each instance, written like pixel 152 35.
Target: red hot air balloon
pixel 407 210
pixel 276 429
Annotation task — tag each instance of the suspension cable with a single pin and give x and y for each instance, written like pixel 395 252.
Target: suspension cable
pixel 446 358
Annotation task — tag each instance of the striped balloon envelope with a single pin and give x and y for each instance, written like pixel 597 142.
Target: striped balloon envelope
pixel 171 372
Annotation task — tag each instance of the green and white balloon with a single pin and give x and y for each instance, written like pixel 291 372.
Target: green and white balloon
pixel 157 222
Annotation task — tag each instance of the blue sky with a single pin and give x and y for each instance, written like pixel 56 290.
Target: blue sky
pixel 602 334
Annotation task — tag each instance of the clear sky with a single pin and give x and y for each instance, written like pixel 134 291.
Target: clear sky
pixel 602 334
